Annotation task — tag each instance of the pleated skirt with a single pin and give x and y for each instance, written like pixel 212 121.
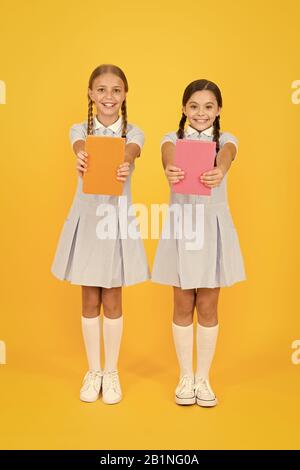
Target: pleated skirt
pixel 219 261
pixel 84 259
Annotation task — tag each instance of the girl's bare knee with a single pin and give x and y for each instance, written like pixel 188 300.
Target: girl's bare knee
pixel 91 301
pixel 184 306
pixel 112 302
pixel 207 313
pixel 207 307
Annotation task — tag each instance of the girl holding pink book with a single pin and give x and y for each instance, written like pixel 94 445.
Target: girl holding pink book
pixel 197 275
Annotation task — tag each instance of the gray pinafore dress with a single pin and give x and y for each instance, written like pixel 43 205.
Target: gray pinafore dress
pixel 81 256
pixel 219 262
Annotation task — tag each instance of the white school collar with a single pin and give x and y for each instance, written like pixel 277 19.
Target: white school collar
pixel 115 127
pixel 190 130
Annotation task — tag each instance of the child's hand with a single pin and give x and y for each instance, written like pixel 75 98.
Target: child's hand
pixel 212 178
pixel 81 162
pixel 173 174
pixel 123 171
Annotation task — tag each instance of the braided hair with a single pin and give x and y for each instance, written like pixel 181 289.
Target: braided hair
pixel 199 85
pixel 100 70
pixel 124 116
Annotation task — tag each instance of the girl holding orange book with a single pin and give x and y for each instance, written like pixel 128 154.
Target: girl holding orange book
pixel 101 266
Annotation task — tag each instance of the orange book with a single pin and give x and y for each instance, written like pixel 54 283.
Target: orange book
pixel 105 154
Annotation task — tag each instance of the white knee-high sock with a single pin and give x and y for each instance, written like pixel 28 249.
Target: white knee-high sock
pixel 183 340
pixel 206 345
pixel 112 334
pixel 91 337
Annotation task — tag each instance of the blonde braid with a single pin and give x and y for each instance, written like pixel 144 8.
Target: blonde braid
pixel 90 116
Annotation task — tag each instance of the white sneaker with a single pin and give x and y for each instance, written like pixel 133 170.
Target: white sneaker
pixel 91 386
pixel 185 392
pixel 204 394
pixel 111 391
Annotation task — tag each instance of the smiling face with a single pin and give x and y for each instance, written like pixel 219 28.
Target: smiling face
pixel 201 110
pixel 108 94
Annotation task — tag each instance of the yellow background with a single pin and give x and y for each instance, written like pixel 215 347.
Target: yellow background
pixel 48 50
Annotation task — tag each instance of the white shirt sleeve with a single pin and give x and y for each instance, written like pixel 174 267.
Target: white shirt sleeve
pixel 170 137
pixel 227 137
pixel 78 132
pixel 135 136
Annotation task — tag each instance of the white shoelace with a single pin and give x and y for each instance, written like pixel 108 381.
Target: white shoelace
pixel 111 380
pixel 186 384
pixel 204 389
pixel 92 379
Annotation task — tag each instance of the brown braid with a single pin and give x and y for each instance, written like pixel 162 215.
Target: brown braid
pixel 216 135
pixel 90 116
pixel 180 132
pixel 199 85
pixel 101 69
pixel 124 118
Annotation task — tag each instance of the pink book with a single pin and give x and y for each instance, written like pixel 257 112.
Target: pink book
pixel 194 157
